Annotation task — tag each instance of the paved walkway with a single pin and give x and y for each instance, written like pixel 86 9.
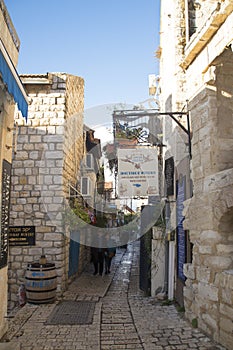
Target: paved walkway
pixel 123 317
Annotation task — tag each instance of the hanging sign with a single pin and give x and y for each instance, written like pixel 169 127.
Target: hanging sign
pixel 137 172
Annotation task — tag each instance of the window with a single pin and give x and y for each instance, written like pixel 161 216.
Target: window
pixel 85 186
pixel 191 7
pixel 90 161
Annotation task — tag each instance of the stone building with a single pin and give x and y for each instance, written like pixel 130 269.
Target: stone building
pixel 176 153
pixel 12 100
pixel 196 43
pixel 45 169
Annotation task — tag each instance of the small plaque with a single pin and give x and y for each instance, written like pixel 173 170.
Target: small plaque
pixel 22 235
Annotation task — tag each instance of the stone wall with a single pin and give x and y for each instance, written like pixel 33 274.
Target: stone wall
pixel 43 168
pixel 173 94
pixel 8 34
pixel 173 99
pixel 205 81
pixel 209 286
pixel 73 148
pixel 209 213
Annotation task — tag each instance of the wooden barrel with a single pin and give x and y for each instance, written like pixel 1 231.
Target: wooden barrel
pixel 41 283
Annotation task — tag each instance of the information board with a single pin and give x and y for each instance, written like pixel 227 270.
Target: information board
pixel 21 235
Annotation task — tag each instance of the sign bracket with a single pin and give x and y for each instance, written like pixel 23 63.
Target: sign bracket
pixel 126 114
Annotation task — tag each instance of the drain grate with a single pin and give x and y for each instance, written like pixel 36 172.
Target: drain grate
pixel 72 313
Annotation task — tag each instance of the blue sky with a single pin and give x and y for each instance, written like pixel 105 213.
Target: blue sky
pixel 110 44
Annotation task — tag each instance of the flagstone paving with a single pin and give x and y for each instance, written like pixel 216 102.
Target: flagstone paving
pixel 123 318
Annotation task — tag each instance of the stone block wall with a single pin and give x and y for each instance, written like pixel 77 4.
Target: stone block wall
pixel 173 99
pixel 8 34
pixel 47 159
pixel 205 81
pixel 209 290
pixel 74 150
pixel 209 214
pixel 173 94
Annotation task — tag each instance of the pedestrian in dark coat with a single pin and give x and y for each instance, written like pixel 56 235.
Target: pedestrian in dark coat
pixel 97 257
pixel 110 252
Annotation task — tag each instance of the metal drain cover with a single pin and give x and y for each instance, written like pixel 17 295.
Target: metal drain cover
pixel 72 313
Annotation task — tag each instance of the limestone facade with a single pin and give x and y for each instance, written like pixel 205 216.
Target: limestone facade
pixel 206 60
pixel 209 214
pixel 9 35
pixel 172 98
pixel 46 163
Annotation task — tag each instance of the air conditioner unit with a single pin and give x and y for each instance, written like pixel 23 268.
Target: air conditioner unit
pixel 90 161
pixel 85 186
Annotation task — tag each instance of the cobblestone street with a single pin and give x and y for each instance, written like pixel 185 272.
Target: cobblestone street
pixel 123 317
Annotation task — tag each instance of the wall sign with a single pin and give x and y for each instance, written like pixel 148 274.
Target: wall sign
pixel 22 235
pixel 5 210
pixel 181 238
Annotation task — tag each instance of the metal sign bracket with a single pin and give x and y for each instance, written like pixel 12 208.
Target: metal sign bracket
pixel 124 114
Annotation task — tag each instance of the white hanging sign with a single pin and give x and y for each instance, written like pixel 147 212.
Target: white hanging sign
pixel 137 172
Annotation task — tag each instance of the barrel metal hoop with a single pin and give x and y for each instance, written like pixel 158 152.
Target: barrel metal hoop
pixel 40 279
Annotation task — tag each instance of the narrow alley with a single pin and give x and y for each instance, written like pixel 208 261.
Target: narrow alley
pixel 105 313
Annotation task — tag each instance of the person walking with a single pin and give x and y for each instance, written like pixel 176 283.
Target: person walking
pixel 97 257
pixel 109 253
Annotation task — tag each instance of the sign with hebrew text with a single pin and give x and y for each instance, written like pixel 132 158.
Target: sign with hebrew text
pixel 137 172
pixel 22 235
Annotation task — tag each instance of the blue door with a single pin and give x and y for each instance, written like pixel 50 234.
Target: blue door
pixel 73 254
